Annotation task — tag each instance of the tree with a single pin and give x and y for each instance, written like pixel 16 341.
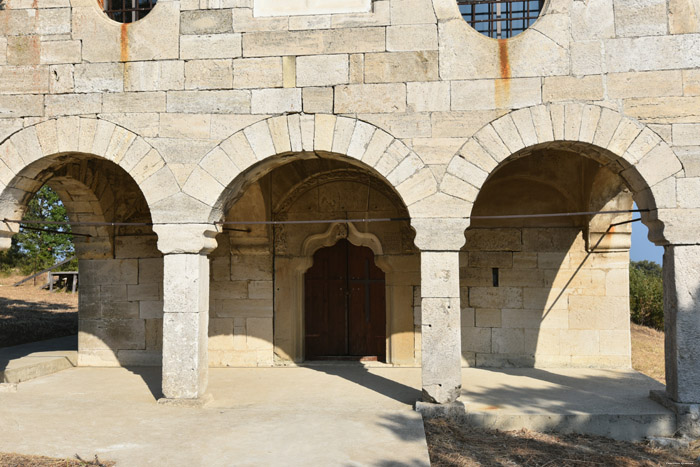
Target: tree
pixel 646 294
pixel 35 248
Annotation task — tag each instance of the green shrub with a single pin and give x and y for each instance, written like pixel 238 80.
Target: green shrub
pixel 647 294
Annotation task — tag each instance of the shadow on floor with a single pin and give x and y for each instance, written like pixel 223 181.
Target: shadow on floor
pixel 359 374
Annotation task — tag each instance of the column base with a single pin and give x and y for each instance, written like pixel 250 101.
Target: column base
pixel 452 410
pixel 195 403
pixel 687 415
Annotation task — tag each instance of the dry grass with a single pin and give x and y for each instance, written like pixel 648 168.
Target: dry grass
pixel 451 444
pixel 648 352
pixel 19 460
pixel 29 314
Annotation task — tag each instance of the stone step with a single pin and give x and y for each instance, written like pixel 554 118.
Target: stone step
pixel 28 361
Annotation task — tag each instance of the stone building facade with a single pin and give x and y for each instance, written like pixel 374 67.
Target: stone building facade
pixel 200 146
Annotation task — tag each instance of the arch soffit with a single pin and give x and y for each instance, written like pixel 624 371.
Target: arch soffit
pixel 25 153
pixel 627 147
pixel 266 142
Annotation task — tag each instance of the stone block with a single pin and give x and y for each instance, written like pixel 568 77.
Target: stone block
pixel 154 76
pixel 494 240
pixel 370 98
pixel 252 267
pixel 112 334
pixel 215 102
pixel 476 339
pixel 61 79
pixel 206 22
pixel 567 88
pixel 259 333
pixel 314 42
pixel 428 97
pixel 439 274
pixel 495 297
pixel 99 77
pixel 487 318
pixel 257 73
pixel 592 20
pixel 109 271
pixel 151 309
pixel 635 18
pixel 586 58
pixel 494 94
pixel 275 101
pixel 23 50
pixel 134 102
pixel 57 52
pixel 244 308
pixel 209 46
pixel 228 290
pixel 24 79
pixel 322 70
pixel 482 259
pixel 317 100
pixel 406 38
pixel 398 67
pixel 645 84
pixel 545 299
pixel 686 134
pixel 412 12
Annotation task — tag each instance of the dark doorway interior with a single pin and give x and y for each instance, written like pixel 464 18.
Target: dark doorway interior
pixel 345 305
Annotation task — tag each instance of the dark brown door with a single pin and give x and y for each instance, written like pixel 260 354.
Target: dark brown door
pixel 345 304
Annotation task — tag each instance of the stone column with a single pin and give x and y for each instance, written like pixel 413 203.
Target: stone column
pixel 682 322
pixel 440 241
pixel 185 309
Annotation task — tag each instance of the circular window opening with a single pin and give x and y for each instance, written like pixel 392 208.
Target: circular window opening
pixel 500 19
pixel 128 11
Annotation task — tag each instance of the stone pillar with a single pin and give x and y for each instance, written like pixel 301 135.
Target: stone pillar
pixel 440 241
pixel 682 322
pixel 185 308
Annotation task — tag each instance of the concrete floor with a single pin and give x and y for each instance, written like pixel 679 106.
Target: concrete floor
pixel 326 414
pixel 259 417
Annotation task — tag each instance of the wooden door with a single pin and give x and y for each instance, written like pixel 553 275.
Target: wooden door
pixel 345 304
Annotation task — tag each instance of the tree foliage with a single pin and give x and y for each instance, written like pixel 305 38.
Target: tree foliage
pixel 34 248
pixel 647 294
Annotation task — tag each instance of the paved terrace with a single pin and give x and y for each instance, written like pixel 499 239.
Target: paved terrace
pixel 330 414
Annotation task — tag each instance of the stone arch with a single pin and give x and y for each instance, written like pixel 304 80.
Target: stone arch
pixel 265 145
pixel 628 148
pixel 29 151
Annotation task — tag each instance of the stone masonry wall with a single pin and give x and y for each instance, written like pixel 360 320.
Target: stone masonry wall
pixel 121 306
pixel 555 305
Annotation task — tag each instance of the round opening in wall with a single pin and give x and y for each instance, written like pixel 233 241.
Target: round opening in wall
pixel 127 11
pixel 500 19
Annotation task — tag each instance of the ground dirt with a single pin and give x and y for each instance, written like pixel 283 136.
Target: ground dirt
pixel 451 444
pixel 18 460
pixel 28 313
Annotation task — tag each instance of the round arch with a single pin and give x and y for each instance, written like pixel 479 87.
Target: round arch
pixel 256 150
pixel 29 152
pixel 628 148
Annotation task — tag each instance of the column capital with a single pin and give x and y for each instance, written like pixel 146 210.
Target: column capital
pixel 186 238
pixel 445 234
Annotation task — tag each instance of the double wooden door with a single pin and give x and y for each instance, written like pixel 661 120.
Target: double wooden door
pixel 345 305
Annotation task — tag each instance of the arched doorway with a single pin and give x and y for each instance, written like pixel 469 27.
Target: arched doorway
pixel 345 305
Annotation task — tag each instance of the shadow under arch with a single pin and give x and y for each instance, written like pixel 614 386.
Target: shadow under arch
pixel 120 300
pixel 552 306
pixel 301 187
pixel 625 146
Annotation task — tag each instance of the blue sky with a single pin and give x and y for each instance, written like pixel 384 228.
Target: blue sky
pixel 642 248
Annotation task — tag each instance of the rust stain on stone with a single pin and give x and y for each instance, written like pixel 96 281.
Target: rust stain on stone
pixel 101 3
pixel 502 85
pixel 124 42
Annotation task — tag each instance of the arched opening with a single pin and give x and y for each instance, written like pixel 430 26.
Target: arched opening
pixel 287 211
pixel 121 270
pixel 548 290
pixel 344 305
